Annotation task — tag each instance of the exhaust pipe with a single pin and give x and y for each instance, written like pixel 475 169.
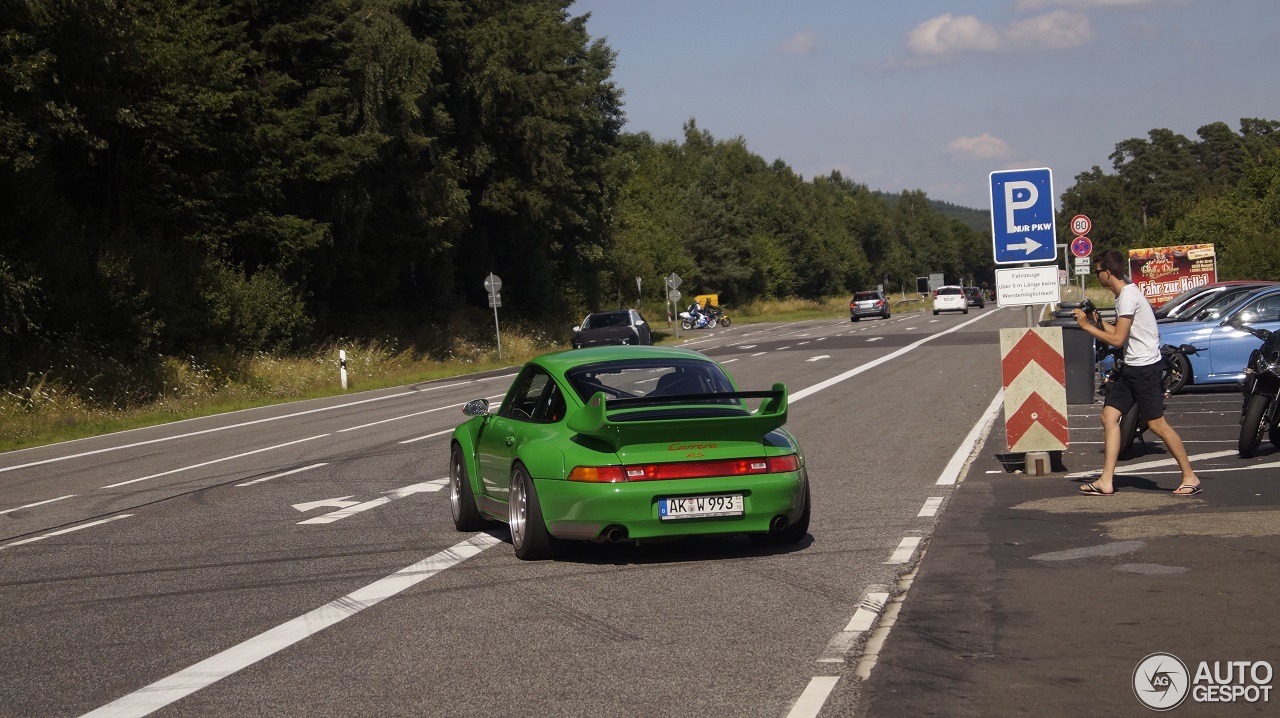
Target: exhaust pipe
pixel 778 523
pixel 614 534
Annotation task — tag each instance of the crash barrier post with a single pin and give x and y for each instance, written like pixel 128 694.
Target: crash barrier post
pixel 1034 378
pixel 342 367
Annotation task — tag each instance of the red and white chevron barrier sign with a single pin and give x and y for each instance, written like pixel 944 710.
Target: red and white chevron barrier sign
pixel 1035 389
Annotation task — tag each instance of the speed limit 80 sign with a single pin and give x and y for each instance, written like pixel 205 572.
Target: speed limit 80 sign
pixel 1080 225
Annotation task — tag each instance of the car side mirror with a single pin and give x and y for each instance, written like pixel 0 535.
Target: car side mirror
pixel 577 329
pixel 476 407
pixel 639 322
pixel 1241 320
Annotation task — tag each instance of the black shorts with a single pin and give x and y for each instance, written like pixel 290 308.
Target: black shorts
pixel 1139 385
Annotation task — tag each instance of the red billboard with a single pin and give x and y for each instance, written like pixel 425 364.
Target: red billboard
pixel 1162 273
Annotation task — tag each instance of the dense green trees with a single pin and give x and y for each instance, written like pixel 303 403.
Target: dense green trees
pixel 1222 188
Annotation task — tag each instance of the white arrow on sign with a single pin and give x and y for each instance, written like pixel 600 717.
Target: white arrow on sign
pixel 820 356
pixel 351 508
pixel 1028 245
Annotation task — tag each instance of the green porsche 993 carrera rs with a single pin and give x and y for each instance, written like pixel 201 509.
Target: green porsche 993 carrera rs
pixel 628 444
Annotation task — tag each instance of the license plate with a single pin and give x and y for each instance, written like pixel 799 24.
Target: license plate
pixel 694 507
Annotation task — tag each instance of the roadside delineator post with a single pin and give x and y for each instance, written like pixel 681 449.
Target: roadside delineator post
pixel 1035 392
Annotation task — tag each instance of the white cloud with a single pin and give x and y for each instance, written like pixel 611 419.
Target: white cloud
pixel 946 37
pixel 984 147
pixel 801 43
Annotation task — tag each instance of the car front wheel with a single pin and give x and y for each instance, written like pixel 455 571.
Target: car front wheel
pixel 529 533
pixel 462 502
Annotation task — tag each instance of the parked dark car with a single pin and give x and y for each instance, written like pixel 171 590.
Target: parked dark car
pixel 974 297
pixel 620 326
pixel 871 303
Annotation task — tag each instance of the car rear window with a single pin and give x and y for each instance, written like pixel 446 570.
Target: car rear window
pixel 950 290
pixel 863 296
pixel 628 379
pixel 611 319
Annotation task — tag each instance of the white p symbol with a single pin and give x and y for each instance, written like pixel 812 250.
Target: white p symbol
pixel 1011 204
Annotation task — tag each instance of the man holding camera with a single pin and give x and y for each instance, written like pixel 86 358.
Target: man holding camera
pixel 1139 382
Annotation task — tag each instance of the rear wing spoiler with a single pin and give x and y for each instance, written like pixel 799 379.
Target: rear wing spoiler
pixel 593 419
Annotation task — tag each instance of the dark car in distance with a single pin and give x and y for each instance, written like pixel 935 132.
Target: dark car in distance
pixel 870 303
pixel 620 326
pixel 973 296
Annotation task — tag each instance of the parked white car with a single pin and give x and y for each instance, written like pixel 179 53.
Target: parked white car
pixel 950 299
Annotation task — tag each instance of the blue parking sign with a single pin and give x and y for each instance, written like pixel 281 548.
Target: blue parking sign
pixel 1022 227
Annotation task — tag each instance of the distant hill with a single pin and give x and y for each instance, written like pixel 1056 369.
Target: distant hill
pixel 978 219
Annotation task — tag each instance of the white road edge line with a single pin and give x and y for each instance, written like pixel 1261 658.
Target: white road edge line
pixel 964 453
pixel 873 364
pixel 287 473
pixel 863 619
pixel 211 670
pixel 1130 468
pixel 410 416
pixel 905 549
pixel 38 503
pixel 931 506
pixel 815 694
pixel 65 531
pixel 428 436
pixel 215 461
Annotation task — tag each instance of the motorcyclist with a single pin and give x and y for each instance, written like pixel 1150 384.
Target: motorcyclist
pixel 695 313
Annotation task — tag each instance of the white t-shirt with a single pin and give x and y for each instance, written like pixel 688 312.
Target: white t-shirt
pixel 1143 346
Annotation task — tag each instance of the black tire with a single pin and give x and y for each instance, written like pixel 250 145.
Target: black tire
pixel 884 316
pixel 462 500
pixel 724 321
pixel 853 319
pixel 529 535
pixel 791 534
pixel 1275 434
pixel 686 324
pixel 1129 430
pixel 966 310
pixel 1179 374
pixel 935 312
pixel 1251 425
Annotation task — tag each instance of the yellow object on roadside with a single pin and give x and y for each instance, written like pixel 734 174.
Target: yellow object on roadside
pixel 708 300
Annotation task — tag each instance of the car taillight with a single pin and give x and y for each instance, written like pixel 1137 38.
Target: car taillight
pixel 685 470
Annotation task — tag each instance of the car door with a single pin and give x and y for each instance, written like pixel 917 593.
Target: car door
pixel 530 404
pixel 1229 348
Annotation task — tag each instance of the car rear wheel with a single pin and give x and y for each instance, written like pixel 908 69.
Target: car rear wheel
pixel 529 533
pixel 462 502
pixel 1251 425
pixel 724 321
pixel 935 312
pixel 853 319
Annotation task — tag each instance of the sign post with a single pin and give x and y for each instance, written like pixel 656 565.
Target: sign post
pixel 492 284
pixel 673 283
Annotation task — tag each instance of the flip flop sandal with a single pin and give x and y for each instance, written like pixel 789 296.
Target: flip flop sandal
pixel 1091 490
pixel 1194 490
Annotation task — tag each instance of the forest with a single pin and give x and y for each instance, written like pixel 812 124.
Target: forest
pixel 189 177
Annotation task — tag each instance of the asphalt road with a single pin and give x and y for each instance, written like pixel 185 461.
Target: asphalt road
pixel 299 560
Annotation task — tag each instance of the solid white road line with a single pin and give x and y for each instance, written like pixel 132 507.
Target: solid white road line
pixel 65 531
pixel 211 670
pixel 758 354
pixel 815 694
pixel 287 473
pixel 38 503
pixel 873 364
pixel 905 549
pixel 204 431
pixel 215 461
pixel 1158 463
pixel 964 454
pixel 428 436
pixel 410 416
pixel 728 361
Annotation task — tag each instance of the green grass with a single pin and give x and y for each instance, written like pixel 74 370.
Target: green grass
pixel 58 407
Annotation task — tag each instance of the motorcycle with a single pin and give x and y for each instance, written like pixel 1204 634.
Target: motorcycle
pixel 1173 359
pixel 721 318
pixel 1261 391
pixel 704 321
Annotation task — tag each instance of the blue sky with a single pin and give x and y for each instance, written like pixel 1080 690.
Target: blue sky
pixel 918 94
